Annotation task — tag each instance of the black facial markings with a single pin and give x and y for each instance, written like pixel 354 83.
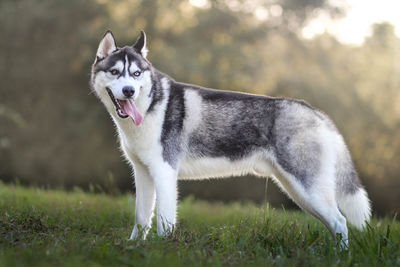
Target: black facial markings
pixel 107 63
pixel 173 124
pixel 122 74
pixel 141 62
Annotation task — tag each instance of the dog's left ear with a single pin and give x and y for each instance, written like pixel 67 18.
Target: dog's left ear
pixel 140 45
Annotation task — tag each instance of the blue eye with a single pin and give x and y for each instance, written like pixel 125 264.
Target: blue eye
pixel 137 73
pixel 114 72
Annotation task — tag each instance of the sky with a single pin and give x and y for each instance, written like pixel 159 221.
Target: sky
pixel 355 26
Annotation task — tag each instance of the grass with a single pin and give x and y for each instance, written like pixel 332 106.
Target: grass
pixel 55 228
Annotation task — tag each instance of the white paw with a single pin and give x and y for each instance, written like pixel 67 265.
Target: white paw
pixel 139 232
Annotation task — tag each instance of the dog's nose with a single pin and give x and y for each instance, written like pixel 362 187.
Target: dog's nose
pixel 128 91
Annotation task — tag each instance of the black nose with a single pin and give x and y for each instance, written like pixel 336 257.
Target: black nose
pixel 128 91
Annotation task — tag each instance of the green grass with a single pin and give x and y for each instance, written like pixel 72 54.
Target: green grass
pixel 55 228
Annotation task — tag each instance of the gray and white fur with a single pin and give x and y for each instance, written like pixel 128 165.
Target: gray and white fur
pixel 170 130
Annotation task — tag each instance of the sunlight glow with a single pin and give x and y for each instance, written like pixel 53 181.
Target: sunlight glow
pixel 276 10
pixel 356 25
pixel 199 3
pixel 261 13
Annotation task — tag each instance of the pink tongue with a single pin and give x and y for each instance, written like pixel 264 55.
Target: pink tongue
pixel 129 107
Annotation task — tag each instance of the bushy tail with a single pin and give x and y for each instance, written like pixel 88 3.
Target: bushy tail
pixel 351 196
pixel 355 206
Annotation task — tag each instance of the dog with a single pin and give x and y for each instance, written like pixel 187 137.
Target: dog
pixel 170 130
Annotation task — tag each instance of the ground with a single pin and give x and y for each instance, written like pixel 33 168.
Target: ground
pixel 41 227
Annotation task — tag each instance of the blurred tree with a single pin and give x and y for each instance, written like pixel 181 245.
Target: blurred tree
pixel 41 49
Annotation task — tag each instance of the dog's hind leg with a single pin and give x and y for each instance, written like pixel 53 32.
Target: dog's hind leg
pixel 145 201
pixel 305 159
pixel 319 200
pixel 165 181
pixel 321 203
pixel 333 219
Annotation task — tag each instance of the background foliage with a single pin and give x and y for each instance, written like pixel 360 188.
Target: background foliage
pixel 54 132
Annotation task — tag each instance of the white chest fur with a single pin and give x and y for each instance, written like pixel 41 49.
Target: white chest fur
pixel 142 142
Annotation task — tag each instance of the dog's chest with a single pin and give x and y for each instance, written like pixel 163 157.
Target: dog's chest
pixel 142 141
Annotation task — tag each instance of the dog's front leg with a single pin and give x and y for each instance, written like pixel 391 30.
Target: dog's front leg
pixel 145 200
pixel 165 180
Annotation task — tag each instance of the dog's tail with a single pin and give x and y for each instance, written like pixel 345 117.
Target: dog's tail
pixel 356 207
pixel 350 194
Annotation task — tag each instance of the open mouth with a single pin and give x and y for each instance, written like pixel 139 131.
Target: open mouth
pixel 126 108
pixel 118 108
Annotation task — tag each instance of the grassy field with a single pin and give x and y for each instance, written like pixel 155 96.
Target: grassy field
pixel 54 228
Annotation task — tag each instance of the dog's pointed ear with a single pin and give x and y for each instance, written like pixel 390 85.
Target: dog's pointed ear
pixel 107 45
pixel 140 45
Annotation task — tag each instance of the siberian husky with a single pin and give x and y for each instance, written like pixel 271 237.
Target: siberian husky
pixel 170 130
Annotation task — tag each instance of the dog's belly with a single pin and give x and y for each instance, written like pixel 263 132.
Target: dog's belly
pixel 203 168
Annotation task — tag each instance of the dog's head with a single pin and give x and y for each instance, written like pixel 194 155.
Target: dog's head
pixel 121 77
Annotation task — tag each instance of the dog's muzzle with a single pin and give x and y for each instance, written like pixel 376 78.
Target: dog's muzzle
pixel 117 106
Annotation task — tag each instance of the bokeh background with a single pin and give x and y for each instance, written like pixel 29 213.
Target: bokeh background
pixel 55 133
